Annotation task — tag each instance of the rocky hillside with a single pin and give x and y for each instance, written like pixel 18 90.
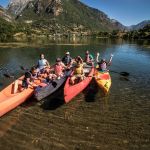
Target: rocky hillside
pixel 61 15
pixel 5 15
pixel 140 25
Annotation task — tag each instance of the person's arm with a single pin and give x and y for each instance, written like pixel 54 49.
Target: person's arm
pixel 91 58
pixel 110 60
pixel 63 59
pixel 29 82
pixel 97 57
pixel 52 68
pixel 81 60
pixel 47 63
pixel 37 64
pixel 70 60
pixel 63 65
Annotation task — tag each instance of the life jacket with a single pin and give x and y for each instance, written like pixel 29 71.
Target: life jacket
pixel 78 69
pixel 58 69
pixel 42 63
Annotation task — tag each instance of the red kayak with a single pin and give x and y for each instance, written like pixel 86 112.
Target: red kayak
pixel 70 91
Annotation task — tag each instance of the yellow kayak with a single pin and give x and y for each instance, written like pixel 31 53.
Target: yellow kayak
pixel 103 80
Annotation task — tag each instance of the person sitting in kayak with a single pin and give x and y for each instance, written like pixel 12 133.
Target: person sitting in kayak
pixel 42 63
pixel 29 77
pixel 102 65
pixel 88 58
pixel 59 68
pixel 78 70
pixel 67 59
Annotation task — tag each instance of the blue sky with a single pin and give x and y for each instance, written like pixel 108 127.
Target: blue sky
pixel 128 12
pixel 4 3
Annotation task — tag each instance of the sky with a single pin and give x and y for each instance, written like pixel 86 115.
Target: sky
pixel 128 12
pixel 4 3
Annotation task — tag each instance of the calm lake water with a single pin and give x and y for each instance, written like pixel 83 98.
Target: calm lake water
pixel 91 121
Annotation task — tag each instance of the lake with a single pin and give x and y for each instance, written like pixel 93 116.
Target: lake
pixel 91 121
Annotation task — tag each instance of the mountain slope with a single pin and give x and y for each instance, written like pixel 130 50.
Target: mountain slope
pixel 62 13
pixel 140 25
pixel 4 15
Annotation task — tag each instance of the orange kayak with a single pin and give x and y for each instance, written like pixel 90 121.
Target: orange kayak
pixel 70 91
pixel 103 80
pixel 9 101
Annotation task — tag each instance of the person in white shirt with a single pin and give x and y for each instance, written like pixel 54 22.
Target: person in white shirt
pixel 42 63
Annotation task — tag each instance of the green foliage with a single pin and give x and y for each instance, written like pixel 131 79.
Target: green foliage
pixel 103 34
pixel 7 30
pixel 114 33
pixel 77 13
pixel 139 34
pixel 74 14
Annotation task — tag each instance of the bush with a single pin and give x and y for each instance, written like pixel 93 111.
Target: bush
pixel 7 30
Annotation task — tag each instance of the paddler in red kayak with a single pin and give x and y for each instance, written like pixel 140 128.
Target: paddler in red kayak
pixel 78 70
pixel 103 64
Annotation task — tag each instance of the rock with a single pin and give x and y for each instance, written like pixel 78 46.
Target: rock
pixel 5 15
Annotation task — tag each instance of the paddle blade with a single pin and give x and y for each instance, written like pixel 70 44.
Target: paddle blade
pixel 54 84
pixel 124 73
pixel 8 76
pixel 22 68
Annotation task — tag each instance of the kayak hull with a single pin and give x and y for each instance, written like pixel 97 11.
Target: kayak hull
pixel 42 92
pixel 103 80
pixel 9 101
pixel 70 91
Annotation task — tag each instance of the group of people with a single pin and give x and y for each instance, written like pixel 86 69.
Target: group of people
pixel 46 73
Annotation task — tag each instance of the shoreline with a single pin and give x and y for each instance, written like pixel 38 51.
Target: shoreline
pixel 25 44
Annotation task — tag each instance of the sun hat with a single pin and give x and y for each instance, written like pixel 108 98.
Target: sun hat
pixel 67 53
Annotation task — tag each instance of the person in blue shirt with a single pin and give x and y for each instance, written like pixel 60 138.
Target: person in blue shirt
pixel 42 62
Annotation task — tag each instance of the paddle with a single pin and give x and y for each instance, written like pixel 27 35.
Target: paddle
pixel 8 75
pixel 54 84
pixel 23 68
